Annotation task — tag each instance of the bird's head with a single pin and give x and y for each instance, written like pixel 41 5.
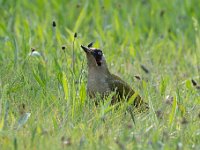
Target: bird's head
pixel 95 57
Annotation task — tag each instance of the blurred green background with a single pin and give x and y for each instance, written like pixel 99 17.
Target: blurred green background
pixel 43 102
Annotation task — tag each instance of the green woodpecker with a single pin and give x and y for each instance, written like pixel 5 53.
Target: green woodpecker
pixel 102 82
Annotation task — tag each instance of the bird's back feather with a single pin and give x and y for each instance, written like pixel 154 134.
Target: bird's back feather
pixel 123 90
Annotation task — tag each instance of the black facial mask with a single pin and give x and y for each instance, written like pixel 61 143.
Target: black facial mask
pixel 98 56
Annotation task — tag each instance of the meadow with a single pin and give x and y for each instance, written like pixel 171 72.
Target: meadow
pixel 153 45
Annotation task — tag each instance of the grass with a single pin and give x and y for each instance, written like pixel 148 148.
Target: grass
pixel 43 103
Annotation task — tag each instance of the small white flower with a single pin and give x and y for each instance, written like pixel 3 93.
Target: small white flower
pixel 34 53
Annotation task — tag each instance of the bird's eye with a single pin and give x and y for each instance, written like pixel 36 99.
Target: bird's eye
pixel 99 53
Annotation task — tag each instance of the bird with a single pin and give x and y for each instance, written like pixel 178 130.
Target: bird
pixel 102 82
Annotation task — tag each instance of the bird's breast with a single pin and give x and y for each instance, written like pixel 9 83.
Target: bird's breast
pixel 97 85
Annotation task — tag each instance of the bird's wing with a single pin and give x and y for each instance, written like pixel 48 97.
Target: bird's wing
pixel 121 87
pixel 124 90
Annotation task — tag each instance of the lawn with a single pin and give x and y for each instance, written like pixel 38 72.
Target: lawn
pixel 153 45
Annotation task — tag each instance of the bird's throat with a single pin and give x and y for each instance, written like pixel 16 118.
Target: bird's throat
pixel 98 63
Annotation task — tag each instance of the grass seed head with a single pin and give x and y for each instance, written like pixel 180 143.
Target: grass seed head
pixel 54 24
pixel 194 83
pixel 137 77
pixel 144 69
pixel 75 35
pixel 63 47
pixel 32 49
pixel 90 44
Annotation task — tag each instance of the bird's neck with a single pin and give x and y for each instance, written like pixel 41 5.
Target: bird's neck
pixel 98 71
pixel 97 80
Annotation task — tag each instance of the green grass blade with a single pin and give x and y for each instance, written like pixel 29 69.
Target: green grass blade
pixel 81 17
pixel 65 86
pixel 173 112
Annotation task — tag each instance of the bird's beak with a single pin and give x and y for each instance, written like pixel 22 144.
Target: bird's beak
pixel 87 50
